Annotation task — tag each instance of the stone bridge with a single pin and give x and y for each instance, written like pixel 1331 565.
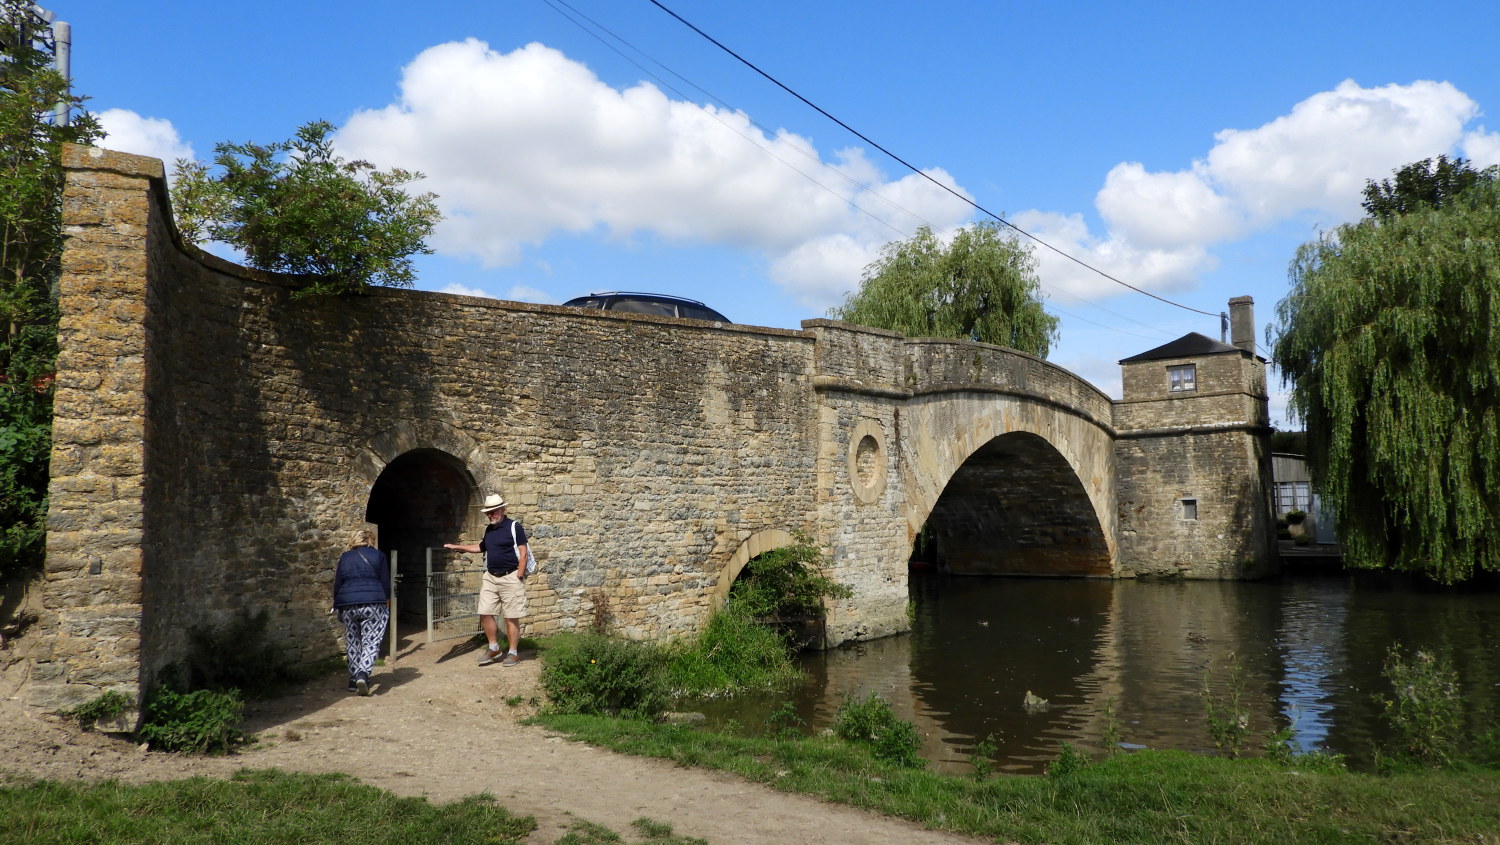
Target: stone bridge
pixel 217 439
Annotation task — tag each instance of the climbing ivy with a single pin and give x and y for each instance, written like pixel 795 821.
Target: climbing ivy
pixel 1390 339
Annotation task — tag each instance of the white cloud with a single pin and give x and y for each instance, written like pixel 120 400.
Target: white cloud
pixel 528 145
pixel 525 145
pixel 1165 209
pixel 1159 269
pixel 128 132
pixel 1319 156
pixel 1313 161
pixel 465 290
pixel 523 293
pixel 1482 148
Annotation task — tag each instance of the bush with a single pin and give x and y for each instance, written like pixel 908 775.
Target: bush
pixel 733 653
pixel 786 582
pixel 870 722
pixel 603 676
pixel 1296 517
pixel 204 721
pixel 1228 718
pixel 1426 713
pixel 1069 761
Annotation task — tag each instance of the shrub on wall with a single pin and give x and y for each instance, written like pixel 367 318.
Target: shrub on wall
pixel 786 583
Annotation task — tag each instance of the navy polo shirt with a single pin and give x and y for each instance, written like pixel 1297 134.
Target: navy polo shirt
pixel 500 556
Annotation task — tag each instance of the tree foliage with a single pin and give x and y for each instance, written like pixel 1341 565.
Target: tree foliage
pixel 1425 184
pixel 1390 338
pixel 982 286
pixel 31 238
pixel 297 207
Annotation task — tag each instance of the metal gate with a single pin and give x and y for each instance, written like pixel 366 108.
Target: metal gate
pixel 452 594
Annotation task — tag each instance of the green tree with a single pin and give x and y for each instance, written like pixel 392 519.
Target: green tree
pixel 1390 338
pixel 981 286
pixel 1425 184
pixel 296 207
pixel 31 238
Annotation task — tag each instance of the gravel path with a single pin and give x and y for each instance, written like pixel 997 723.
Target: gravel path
pixel 437 725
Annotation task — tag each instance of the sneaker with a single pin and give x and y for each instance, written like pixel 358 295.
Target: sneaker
pixel 510 660
pixel 490 656
pixel 352 687
pixel 363 686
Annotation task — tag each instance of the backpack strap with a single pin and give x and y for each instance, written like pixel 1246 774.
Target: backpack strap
pixel 515 544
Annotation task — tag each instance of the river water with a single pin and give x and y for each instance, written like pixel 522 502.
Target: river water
pixel 1307 652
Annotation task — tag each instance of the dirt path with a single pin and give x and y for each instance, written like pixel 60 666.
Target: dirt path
pixel 439 726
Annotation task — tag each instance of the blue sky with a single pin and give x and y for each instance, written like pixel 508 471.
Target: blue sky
pixel 1185 148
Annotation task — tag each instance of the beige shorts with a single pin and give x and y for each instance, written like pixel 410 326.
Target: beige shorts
pixel 502 596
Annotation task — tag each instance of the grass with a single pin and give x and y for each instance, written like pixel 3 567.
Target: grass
pixel 1146 797
pixel 253 807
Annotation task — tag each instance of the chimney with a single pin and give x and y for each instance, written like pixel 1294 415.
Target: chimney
pixel 1242 323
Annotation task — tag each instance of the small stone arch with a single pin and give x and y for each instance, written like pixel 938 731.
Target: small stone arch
pixel 371 459
pixel 752 547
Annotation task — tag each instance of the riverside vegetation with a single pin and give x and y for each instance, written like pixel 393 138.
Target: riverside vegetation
pixel 1439 783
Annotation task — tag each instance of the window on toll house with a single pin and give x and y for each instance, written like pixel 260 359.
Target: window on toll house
pixel 1182 378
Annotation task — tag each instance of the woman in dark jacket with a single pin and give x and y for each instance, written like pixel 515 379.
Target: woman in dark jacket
pixel 362 595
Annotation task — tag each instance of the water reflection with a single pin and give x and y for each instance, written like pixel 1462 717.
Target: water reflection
pixel 1308 656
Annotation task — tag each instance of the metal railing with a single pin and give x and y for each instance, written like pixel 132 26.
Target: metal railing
pixel 452 595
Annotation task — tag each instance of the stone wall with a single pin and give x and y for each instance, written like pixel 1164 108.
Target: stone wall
pixel 92 593
pixel 217 439
pixel 224 437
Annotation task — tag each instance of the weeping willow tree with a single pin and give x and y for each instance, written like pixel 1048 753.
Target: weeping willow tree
pixel 980 286
pixel 1390 339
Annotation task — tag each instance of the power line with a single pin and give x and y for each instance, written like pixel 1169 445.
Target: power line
pixel 569 16
pixel 593 28
pixel 904 163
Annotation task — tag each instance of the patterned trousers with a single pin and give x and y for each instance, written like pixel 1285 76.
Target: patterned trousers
pixel 364 628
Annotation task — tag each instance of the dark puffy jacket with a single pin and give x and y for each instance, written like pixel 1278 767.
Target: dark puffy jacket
pixel 363 577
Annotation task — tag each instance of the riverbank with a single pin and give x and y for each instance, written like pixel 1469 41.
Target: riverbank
pixel 439 727
pixel 1147 797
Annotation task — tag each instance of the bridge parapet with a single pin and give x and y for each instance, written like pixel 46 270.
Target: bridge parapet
pixel 936 365
pixel 881 362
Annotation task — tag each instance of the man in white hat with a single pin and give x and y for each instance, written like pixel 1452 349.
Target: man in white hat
pixel 501 587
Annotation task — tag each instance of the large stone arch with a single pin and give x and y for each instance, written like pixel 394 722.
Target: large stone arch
pixel 978 457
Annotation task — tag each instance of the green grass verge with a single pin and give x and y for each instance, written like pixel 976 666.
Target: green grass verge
pixel 1146 797
pixel 265 806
